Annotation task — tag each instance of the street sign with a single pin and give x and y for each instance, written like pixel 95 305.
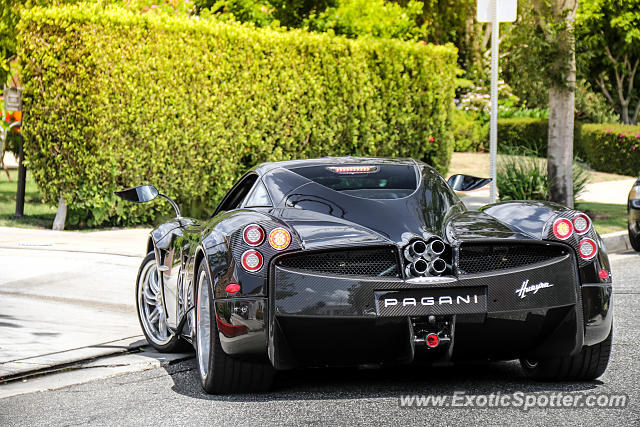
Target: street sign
pixel 507 10
pixel 12 98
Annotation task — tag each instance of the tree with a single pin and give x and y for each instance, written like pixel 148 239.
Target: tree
pixel 609 52
pixel 377 18
pixel 552 45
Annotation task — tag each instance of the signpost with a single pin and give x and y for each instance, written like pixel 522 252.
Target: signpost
pixel 495 11
pixel 13 102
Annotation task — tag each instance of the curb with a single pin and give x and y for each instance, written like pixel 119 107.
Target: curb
pixel 46 363
pixel 616 242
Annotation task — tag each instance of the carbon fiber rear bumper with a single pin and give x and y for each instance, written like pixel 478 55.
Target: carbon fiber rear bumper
pixel 317 320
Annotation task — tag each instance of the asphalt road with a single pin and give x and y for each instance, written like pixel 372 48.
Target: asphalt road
pixel 171 395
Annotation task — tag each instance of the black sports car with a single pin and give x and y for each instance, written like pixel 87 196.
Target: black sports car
pixel 353 261
pixel 633 211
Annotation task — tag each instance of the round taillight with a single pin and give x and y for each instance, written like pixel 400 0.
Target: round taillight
pixel 279 239
pixel 232 288
pixel 587 248
pixel 562 228
pixel 252 260
pixel 604 274
pixel 581 223
pixel 253 235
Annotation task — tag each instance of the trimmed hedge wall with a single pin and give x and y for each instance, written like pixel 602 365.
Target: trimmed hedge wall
pixel 531 134
pixel 114 99
pixel 610 148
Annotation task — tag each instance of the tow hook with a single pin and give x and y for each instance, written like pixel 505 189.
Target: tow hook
pixel 432 332
pixel 432 340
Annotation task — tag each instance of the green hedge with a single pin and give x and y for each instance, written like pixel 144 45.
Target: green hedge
pixel 114 99
pixel 519 133
pixel 604 147
pixel 610 148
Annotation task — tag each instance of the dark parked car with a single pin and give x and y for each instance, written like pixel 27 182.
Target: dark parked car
pixel 352 261
pixel 633 210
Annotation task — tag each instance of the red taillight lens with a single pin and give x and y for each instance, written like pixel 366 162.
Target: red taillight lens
pixel 252 260
pixel 604 274
pixel 581 223
pixel 232 288
pixel 587 248
pixel 562 228
pixel 279 239
pixel 253 235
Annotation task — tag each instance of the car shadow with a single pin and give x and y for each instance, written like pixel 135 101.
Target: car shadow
pixel 392 382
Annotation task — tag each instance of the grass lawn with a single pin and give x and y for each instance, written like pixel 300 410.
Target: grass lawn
pixel 607 218
pixel 36 213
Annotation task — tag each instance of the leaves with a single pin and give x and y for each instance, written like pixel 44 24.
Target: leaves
pixel 115 99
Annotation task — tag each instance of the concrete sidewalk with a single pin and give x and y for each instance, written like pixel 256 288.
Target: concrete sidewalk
pixel 67 296
pixel 127 242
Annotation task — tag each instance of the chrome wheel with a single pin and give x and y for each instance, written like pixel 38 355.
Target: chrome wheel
pixel 203 325
pixel 150 306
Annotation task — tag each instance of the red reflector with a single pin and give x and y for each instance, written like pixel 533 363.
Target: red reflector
pixel 232 288
pixel 604 274
pixel 562 228
pixel 252 260
pixel 587 249
pixel 432 340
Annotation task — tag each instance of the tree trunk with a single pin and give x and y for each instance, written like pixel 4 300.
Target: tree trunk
pixel 560 149
pixel 561 110
pixel 61 215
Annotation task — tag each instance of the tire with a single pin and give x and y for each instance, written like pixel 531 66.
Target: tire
pixel 587 365
pixel 634 240
pixel 148 300
pixel 220 373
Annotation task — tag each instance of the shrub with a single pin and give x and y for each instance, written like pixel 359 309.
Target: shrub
pixel 523 133
pixel 114 99
pixel 378 18
pixel 610 148
pixel 525 178
pixel 469 132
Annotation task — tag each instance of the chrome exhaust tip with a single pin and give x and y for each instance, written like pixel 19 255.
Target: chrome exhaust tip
pixel 435 248
pixel 419 267
pixel 437 266
pixel 415 250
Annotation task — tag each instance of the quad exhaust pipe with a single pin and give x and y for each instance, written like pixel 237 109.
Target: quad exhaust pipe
pixel 425 258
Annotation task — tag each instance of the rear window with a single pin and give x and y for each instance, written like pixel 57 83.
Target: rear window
pixel 372 181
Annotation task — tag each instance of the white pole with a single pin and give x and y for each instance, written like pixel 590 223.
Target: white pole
pixel 493 129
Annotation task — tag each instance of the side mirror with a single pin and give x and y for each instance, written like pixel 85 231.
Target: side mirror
pixel 467 182
pixel 145 193
pixel 139 194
